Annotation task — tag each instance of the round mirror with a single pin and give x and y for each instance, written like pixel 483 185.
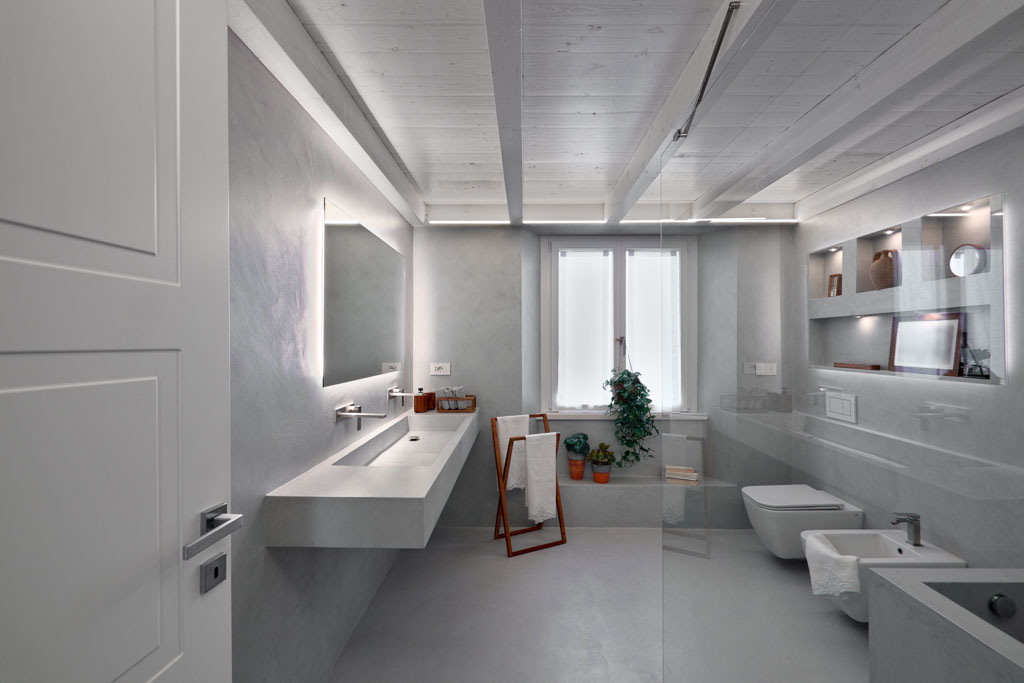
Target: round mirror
pixel 967 259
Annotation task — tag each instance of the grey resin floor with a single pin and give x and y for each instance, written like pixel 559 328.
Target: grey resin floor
pixel 592 611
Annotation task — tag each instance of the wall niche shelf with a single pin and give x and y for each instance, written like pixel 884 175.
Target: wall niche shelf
pixel 822 265
pixel 856 326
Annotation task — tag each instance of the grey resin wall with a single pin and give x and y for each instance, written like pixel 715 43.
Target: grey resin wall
pixel 293 609
pixel 967 479
pixel 740 316
pixel 473 286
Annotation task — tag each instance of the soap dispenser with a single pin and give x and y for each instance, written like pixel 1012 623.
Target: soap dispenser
pixel 419 401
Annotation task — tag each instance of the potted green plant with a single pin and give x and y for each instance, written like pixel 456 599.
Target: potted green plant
pixel 634 420
pixel 578 448
pixel 601 460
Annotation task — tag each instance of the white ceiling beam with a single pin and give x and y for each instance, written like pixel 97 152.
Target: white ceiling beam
pixel 278 39
pixel 751 25
pixel 951 37
pixel 504 19
pixel 994 119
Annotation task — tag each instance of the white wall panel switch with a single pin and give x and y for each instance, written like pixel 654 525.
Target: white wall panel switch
pixel 440 368
pixel 749 368
pixel 766 369
pixel 390 367
pixel 841 406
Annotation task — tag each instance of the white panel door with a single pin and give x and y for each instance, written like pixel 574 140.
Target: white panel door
pixel 114 388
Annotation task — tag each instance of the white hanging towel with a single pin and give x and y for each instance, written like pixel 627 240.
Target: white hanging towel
pixel 508 427
pixel 540 476
pixel 832 574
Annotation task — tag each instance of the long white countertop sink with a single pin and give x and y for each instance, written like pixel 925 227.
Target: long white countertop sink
pixel 386 490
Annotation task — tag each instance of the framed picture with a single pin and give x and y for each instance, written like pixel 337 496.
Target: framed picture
pixel 835 284
pixel 928 344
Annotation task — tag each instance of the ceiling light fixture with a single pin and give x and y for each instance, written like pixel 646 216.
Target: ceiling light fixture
pixel 600 221
pixel 965 207
pixel 998 213
pixel 341 222
pixel 889 232
pixel 833 249
pixel 468 223
pixel 945 215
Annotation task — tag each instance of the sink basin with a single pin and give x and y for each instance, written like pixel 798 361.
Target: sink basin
pixel 386 490
pixel 938 625
pixel 876 549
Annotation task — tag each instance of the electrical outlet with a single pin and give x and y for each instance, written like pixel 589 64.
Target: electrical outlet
pixel 387 367
pixel 749 368
pixel 440 368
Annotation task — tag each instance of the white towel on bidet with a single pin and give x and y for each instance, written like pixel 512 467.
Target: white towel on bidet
pixel 832 574
pixel 508 427
pixel 540 476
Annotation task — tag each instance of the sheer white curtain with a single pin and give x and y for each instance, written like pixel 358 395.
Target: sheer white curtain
pixel 586 327
pixel 653 324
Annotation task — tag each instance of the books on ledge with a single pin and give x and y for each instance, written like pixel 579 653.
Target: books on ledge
pixel 684 476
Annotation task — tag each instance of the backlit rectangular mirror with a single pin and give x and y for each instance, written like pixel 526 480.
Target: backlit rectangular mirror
pixel 364 301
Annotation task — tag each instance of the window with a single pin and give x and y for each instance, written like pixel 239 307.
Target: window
pixel 617 303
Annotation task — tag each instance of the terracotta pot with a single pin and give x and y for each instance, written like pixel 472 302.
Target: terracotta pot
pixel 883 269
pixel 601 473
pixel 576 468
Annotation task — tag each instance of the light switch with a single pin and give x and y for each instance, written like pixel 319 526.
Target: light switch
pixel 440 368
pixel 766 369
pixel 841 406
pixel 749 368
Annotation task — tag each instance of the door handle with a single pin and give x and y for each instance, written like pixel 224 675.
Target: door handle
pixel 214 525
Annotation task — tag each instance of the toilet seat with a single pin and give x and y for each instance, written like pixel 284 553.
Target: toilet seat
pixel 791 497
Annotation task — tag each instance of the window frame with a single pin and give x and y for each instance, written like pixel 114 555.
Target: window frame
pixel 550 246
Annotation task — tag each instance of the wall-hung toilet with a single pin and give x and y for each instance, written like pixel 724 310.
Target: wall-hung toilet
pixel 779 513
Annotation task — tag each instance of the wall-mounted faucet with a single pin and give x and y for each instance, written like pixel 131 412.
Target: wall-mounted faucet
pixel 913 522
pixel 395 392
pixel 350 410
pixel 941 410
pixel 820 392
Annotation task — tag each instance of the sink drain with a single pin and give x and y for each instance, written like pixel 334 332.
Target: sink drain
pixel 414 438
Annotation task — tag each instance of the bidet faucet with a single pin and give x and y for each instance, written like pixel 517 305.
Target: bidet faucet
pixel 913 522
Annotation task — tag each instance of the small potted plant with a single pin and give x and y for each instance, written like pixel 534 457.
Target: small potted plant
pixel 601 460
pixel 634 419
pixel 578 448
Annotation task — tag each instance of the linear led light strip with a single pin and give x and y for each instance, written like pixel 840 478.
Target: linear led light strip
pixel 756 219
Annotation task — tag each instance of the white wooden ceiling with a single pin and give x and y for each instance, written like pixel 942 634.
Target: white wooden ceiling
pixel 422 72
pixel 596 74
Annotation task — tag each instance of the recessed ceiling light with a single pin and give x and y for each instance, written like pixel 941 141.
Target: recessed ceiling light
pixel 889 232
pixel 998 213
pixel 965 207
pixel 833 249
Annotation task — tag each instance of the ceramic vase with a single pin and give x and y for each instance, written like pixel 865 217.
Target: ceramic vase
pixel 883 269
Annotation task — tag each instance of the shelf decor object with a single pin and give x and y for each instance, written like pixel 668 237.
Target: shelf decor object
pixel 469 400
pixel 967 259
pixel 835 284
pixel 883 269
pixel 928 344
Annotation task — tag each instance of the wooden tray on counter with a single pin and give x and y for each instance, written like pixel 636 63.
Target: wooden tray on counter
pixel 470 398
